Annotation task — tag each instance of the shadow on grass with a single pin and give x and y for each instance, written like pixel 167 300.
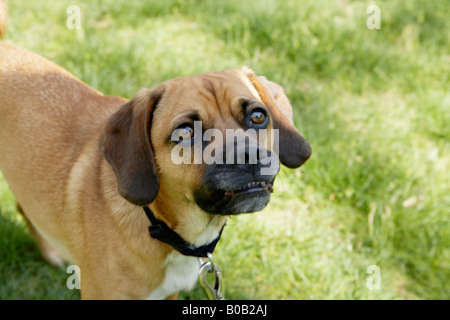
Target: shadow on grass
pixel 23 272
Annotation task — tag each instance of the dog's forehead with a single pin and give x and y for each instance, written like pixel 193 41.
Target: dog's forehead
pixel 224 86
pixel 214 98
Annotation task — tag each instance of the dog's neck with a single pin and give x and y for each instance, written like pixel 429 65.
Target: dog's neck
pixel 182 216
pixel 187 219
pixel 160 231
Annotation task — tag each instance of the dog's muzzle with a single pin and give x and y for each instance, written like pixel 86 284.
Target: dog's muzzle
pixel 243 184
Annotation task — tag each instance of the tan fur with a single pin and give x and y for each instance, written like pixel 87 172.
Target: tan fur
pixel 3 17
pixel 51 124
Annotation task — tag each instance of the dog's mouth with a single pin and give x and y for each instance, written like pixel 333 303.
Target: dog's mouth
pixel 245 198
pixel 255 186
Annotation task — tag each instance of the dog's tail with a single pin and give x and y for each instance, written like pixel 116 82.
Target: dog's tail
pixel 3 17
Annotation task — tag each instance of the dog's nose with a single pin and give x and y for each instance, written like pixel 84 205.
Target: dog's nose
pixel 252 156
pixel 249 154
pixel 242 153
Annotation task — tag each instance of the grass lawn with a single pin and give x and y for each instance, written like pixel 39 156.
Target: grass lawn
pixel 374 105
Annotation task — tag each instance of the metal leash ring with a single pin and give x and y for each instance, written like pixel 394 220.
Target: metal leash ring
pixel 214 292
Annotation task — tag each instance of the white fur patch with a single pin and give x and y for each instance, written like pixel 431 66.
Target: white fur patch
pixel 182 271
pixel 181 274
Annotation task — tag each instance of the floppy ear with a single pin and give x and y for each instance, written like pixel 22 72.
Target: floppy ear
pixel 294 150
pixel 125 144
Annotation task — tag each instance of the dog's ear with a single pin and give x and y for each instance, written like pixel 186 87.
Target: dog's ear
pixel 125 144
pixel 294 150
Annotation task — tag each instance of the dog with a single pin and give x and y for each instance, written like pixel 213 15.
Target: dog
pixel 92 173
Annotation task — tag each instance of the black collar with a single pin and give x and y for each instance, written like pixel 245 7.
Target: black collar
pixel 161 231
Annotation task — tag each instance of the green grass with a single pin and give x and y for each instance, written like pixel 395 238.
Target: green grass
pixel 374 104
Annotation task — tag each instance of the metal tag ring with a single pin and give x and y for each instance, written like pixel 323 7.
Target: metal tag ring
pixel 212 292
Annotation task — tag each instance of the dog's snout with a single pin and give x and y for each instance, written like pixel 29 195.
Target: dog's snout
pixel 249 154
pixel 253 157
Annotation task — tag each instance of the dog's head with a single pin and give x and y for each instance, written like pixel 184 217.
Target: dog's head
pixel 214 140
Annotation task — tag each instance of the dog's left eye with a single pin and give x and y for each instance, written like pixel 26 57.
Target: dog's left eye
pixel 258 117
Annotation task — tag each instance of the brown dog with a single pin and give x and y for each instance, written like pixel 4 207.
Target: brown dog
pixel 82 165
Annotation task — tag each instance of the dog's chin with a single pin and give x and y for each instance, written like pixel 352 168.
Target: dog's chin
pixel 249 198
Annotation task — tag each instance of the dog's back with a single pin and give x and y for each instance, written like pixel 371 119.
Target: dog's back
pixel 47 119
pixel 47 116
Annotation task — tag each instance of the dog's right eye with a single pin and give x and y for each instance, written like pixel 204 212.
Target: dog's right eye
pixel 185 131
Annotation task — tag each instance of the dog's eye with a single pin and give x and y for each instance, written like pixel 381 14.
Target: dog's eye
pixel 258 117
pixel 185 132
